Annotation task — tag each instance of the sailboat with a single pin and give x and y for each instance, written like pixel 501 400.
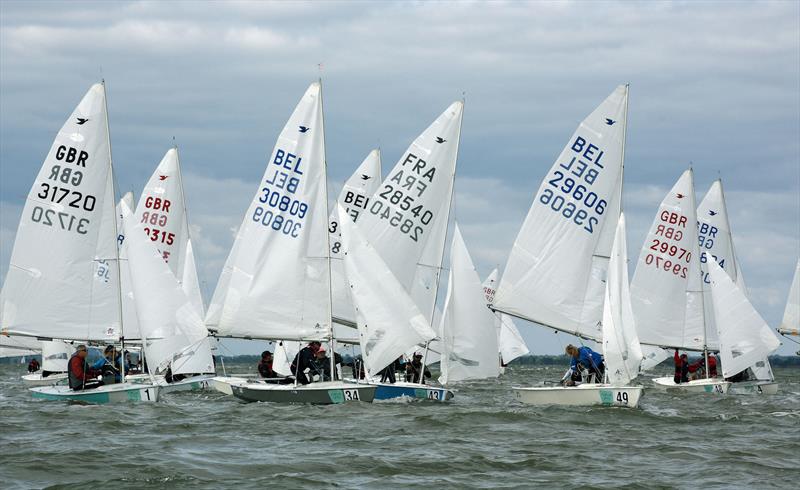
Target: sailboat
pixel 667 289
pixel 715 239
pixel 161 215
pixel 556 274
pixel 790 326
pixel 510 343
pixel 406 225
pixel 276 283
pixel 55 355
pixel 58 285
pixel 468 336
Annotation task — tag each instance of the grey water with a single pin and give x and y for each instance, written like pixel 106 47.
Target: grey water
pixel 482 439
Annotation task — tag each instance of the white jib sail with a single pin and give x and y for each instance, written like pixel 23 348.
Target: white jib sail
pixel 55 355
pixel 469 337
pixel 716 239
pixel 621 349
pixel 129 317
pixel 406 220
pixel 285 352
pixel 173 329
pixel 354 198
pixel 744 336
pixel 276 281
pixel 59 283
pixel 666 290
pixel 389 321
pixel 162 211
pixel 554 275
pixel 509 340
pixel 791 315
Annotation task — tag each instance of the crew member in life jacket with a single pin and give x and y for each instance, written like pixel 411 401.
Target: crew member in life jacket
pixel 33 366
pixel 265 365
pixel 414 372
pixel 110 364
pixel 320 366
pixel 584 361
pixel 698 368
pixel 81 376
pixel 681 368
pixel 301 365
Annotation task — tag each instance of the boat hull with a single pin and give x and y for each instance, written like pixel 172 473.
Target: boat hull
pixel 754 388
pixel 116 393
pixel 416 391
pixel 582 395
pixel 36 379
pixel 326 393
pixel 224 384
pixel 193 383
pixel 717 386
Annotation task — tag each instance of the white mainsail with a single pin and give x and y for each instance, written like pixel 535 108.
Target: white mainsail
pixel 468 335
pixel 276 281
pixel 509 340
pixel 354 198
pixel 162 211
pixel 791 315
pixel 744 337
pixel 55 355
pixel 173 331
pixel 59 283
pixel 666 291
pixel 407 218
pixel 389 321
pixel 621 349
pixel 716 239
pixel 554 275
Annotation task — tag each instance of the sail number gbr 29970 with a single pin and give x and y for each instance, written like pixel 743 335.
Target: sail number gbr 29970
pixel 569 191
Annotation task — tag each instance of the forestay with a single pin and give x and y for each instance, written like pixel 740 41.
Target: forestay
pixel 354 198
pixel 389 321
pixel 715 238
pixel 744 336
pixel 173 331
pixel 509 340
pixel 469 338
pixel 276 281
pixel 554 275
pixel 407 217
pixel 162 211
pixel 621 349
pixel 791 315
pixel 59 283
pixel 666 290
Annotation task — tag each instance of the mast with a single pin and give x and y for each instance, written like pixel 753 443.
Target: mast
pixel 116 245
pixel 327 237
pixel 444 243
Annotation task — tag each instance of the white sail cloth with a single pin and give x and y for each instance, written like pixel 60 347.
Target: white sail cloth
pixel 744 337
pixel 509 341
pixel 60 282
pixel 173 331
pixel 554 275
pixel 407 218
pixel 389 321
pixel 129 316
pixel 666 291
pixel 621 349
pixel 354 198
pixel 791 315
pixel 468 334
pixel 55 355
pixel 285 352
pixel 276 280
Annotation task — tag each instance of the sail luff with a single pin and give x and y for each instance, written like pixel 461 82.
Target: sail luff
pixel 790 324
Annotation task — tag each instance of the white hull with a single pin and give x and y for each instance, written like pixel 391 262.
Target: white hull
pixel 754 388
pixel 224 384
pixel 581 395
pixel 36 379
pixel 193 383
pixel 716 386
pixel 116 393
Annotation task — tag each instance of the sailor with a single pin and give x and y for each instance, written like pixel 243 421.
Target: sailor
pixel 585 360
pixel 681 368
pixel 302 362
pixel 110 362
pixel 414 370
pixel 265 365
pixel 33 366
pixel 388 373
pixel 698 368
pixel 320 366
pixel 80 376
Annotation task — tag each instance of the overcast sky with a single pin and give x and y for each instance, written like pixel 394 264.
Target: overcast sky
pixel 716 84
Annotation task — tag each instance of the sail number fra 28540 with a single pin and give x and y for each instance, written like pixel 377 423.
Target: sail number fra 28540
pixel 570 194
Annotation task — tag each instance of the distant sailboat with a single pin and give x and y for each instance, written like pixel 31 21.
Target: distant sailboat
pixel 55 355
pixel 791 315
pixel 510 343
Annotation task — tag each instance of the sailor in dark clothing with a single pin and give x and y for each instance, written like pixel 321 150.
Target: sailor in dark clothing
pixel 81 377
pixel 414 368
pixel 388 373
pixel 301 365
pixel 265 365
pixel 681 368
pixel 33 366
pixel 320 367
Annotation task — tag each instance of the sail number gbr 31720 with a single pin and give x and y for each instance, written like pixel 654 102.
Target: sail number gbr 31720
pixel 65 205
